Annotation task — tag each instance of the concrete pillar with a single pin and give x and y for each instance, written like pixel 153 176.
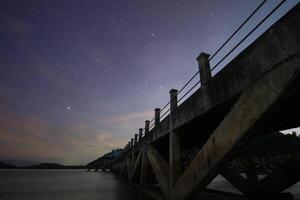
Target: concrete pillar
pixel 133 156
pixel 174 144
pixel 147 130
pixel 204 67
pixel 131 145
pixel 140 134
pixel 173 99
pixel 135 138
pixel 157 116
pixel 147 124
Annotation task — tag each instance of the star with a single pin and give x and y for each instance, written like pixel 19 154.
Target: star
pixel 68 108
pixel 152 34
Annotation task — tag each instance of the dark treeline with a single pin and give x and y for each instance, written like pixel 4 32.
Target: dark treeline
pixel 275 144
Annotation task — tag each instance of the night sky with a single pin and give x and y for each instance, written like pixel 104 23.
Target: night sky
pixel 78 78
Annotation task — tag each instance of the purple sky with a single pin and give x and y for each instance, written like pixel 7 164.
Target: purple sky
pixel 78 78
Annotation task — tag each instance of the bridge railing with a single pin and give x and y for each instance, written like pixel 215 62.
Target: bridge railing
pixel 205 59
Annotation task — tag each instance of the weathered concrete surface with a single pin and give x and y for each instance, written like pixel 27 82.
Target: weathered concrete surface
pixel 174 144
pixel 256 100
pixel 135 166
pixel 160 168
pixel 145 173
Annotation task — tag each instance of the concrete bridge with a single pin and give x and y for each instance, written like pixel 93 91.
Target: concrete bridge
pixel 257 93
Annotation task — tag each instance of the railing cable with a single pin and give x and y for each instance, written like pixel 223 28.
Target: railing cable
pixel 164 106
pixel 189 91
pixel 235 32
pixel 188 82
pixel 164 113
pixel 264 19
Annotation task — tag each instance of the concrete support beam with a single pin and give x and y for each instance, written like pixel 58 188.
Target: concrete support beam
pixel 247 111
pixel 128 167
pixel 135 166
pixel 174 143
pixel 145 171
pixel 157 116
pixel 160 169
pixel 204 67
pixel 123 167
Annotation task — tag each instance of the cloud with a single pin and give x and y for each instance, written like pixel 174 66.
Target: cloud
pixel 130 117
pixel 32 138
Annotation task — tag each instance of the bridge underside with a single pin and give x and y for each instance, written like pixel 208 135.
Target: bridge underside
pixel 178 159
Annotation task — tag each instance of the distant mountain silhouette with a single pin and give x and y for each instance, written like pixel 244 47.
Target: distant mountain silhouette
pixel 47 166
pixel 7 166
pixel 18 163
pixel 41 166
pixel 54 166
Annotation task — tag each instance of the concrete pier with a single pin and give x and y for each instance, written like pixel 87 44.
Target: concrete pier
pixel 257 93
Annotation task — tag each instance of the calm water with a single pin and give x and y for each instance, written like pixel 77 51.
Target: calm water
pixel 64 185
pixel 78 185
